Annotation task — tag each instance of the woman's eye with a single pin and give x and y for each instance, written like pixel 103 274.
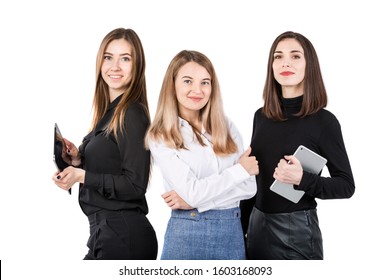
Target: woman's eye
pixel 205 83
pixel 187 82
pixel 296 57
pixel 126 59
pixel 107 57
pixel 277 57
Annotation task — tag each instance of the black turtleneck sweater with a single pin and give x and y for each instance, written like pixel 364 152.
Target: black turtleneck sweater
pixel 272 140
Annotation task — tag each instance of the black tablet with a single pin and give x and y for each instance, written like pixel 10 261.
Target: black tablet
pixel 59 148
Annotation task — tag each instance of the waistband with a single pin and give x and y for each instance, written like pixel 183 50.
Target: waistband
pixel 287 214
pixel 301 215
pixel 224 214
pixel 103 214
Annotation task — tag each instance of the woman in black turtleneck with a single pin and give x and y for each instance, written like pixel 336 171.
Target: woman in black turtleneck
pixel 293 114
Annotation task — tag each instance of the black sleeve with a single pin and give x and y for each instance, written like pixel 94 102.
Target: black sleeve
pixel 340 184
pixel 246 206
pixel 131 184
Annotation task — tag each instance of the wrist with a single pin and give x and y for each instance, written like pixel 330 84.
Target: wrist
pixel 76 162
pixel 81 176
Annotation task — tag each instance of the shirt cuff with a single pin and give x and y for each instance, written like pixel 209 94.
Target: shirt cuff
pixel 238 173
pixel 96 181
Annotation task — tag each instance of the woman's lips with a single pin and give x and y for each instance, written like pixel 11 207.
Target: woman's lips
pixel 195 99
pixel 287 73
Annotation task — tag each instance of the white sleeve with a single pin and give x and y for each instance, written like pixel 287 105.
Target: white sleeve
pixel 195 191
pixel 243 190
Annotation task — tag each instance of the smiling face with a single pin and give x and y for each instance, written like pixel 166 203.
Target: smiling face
pixel 289 67
pixel 193 89
pixel 117 66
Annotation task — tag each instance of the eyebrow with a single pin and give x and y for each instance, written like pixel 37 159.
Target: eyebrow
pixel 188 77
pixel 123 54
pixel 293 51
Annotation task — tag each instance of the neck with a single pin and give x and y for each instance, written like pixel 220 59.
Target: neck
pixel 292 91
pixel 193 119
pixel 114 95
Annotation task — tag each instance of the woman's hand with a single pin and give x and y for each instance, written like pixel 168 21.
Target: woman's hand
pixel 289 171
pixel 174 201
pixel 68 177
pixel 249 162
pixel 70 153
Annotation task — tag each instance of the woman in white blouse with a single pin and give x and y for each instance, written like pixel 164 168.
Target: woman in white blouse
pixel 205 169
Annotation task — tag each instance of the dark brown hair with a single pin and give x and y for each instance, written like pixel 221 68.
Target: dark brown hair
pixel 314 93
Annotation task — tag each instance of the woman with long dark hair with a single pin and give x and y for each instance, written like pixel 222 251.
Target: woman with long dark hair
pixel 293 114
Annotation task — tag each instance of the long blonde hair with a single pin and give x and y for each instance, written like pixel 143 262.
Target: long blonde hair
pixel 136 90
pixel 165 125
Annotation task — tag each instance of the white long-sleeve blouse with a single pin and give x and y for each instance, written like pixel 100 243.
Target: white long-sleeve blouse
pixel 203 179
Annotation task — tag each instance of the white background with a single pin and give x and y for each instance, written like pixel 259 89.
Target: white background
pixel 47 71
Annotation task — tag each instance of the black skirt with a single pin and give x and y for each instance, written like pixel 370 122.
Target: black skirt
pixel 284 236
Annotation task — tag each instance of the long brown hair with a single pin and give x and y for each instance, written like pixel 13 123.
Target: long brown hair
pixel 136 90
pixel 314 93
pixel 165 125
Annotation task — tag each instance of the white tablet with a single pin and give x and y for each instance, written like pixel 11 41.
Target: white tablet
pixel 311 162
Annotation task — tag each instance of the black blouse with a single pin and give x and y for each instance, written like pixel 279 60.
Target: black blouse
pixel 117 171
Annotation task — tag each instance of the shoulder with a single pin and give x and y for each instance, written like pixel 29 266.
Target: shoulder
pixel 327 117
pixel 259 114
pixel 235 133
pixel 159 147
pixel 136 108
pixel 232 127
pixel 136 120
pixel 136 111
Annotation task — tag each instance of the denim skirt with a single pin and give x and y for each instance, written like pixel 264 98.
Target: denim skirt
pixel 210 235
pixel 284 236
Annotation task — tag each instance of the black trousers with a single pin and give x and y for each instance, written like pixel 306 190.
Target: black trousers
pixel 121 235
pixel 284 236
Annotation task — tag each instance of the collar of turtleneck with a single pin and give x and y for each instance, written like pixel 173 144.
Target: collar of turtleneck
pixel 291 106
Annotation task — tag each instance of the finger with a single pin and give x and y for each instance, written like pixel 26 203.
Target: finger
pixel 275 175
pixel 168 199
pixel 171 203
pixel 288 157
pixel 64 187
pixel 292 159
pixel 175 207
pixel 57 176
pixel 247 152
pixel 67 142
pixel 164 195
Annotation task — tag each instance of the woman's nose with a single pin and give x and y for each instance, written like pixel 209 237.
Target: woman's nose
pixel 115 64
pixel 286 63
pixel 196 88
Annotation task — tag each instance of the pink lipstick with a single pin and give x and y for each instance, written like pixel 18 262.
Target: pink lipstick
pixel 287 73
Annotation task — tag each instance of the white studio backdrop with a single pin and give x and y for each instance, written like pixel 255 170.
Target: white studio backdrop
pixel 47 75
